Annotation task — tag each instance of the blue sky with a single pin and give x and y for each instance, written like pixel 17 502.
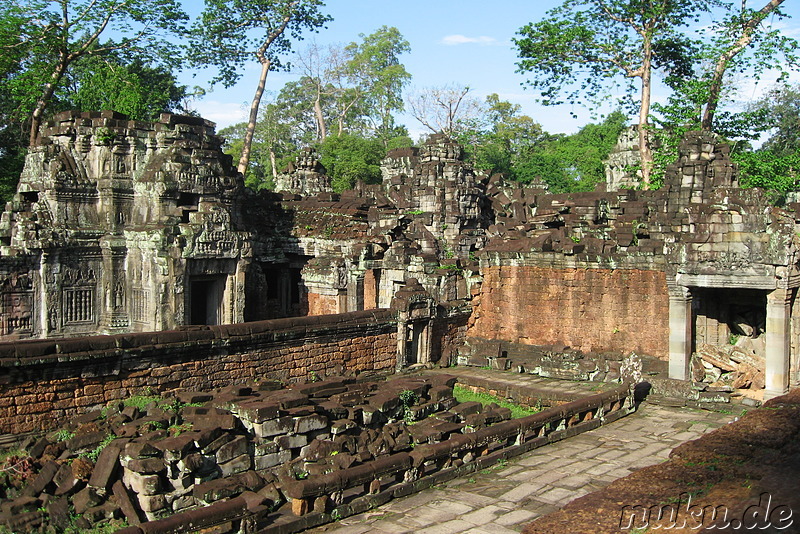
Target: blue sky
pixel 463 42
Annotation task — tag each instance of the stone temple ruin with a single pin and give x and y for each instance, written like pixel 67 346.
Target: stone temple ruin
pixel 132 260
pixel 122 226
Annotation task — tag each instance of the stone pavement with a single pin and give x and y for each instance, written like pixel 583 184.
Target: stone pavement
pixel 504 498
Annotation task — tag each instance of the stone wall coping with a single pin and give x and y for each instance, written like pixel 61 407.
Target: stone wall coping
pixel 44 351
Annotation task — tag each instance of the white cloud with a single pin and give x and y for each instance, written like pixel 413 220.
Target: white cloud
pixel 458 39
pixel 222 113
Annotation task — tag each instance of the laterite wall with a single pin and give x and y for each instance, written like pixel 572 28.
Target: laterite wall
pixel 587 309
pixel 44 381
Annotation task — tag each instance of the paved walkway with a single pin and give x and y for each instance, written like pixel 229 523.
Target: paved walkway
pixel 504 498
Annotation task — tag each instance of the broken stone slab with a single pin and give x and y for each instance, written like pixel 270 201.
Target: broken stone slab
pixel 42 480
pixel 235 447
pixel 310 423
pixel 223 488
pixel 125 503
pixel 142 484
pixel 291 441
pixel 66 482
pixel 239 464
pixel 259 411
pixel 85 499
pixel 281 425
pixel 146 466
pixel 268 461
pixel 105 469
pixel 176 447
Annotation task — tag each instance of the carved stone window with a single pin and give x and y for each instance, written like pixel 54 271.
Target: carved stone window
pixel 140 299
pixel 78 305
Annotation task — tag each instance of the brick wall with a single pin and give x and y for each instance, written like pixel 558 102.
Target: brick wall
pixel 588 309
pixel 44 381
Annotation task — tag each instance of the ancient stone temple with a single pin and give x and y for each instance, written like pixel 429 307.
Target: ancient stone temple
pixel 122 226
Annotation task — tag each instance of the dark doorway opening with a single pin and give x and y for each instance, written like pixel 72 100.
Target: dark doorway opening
pixel 205 300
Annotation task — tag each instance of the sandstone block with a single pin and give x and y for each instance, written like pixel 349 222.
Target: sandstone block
pixel 231 449
pixel 239 464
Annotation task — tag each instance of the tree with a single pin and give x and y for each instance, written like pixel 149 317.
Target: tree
pixel 51 35
pixel 359 86
pixel 232 32
pixel 584 44
pixel 779 109
pixel 501 137
pixel 573 162
pixel 134 88
pixel 447 109
pixel 349 158
pixel 737 32
pixel 376 74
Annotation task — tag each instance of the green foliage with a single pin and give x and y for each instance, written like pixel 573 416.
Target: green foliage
pixel 137 89
pixel 63 435
pixel 48 38
pixel 569 163
pixel 95 453
pixel 349 158
pixel 600 45
pixel 231 33
pixel 463 394
pixel 773 171
pixel 408 398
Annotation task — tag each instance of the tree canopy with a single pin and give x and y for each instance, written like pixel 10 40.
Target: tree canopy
pixel 583 49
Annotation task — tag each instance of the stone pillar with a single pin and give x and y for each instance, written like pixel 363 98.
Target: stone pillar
pixel 680 333
pixel 778 343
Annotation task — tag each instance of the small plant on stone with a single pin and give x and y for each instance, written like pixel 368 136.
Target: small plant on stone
pixel 409 399
pixel 575 239
pixel 95 453
pixel 177 430
pixel 104 136
pixel 313 376
pixel 63 435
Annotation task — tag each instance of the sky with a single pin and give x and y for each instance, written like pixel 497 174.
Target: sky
pixel 461 42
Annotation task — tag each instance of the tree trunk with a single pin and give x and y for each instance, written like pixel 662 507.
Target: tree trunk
pixel 41 104
pixel 322 130
pixel 645 151
pixel 273 163
pixel 244 161
pixel 746 37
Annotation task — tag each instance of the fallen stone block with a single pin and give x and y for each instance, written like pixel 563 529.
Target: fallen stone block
pixel 239 464
pixel 85 499
pixel 224 488
pixel 142 484
pixel 146 466
pixel 267 429
pixel 271 460
pixel 105 469
pixel 235 447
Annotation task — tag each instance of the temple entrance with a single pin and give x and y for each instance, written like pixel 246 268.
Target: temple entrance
pixel 205 300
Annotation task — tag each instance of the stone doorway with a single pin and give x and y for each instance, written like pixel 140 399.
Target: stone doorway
pixel 205 300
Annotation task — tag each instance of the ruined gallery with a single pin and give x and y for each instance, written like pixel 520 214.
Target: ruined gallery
pixel 132 258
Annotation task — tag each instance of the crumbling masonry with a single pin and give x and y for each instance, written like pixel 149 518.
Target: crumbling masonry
pixel 122 226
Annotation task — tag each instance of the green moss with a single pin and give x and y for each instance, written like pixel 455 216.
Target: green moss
pixel 463 394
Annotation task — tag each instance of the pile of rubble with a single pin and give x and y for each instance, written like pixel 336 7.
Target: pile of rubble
pixel 736 366
pixel 195 458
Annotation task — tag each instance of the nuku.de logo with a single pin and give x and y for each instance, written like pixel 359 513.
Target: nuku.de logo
pixel 683 514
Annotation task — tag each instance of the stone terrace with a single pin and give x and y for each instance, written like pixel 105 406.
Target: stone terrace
pixel 506 497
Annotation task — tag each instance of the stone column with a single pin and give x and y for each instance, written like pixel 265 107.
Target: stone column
pixel 680 333
pixel 778 343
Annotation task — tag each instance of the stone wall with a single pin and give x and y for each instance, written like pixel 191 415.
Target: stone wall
pixel 45 381
pixel 587 309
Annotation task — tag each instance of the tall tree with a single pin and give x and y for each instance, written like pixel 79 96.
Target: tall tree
pixel 54 34
pixel 583 45
pixel 741 29
pixel 230 33
pixel 376 72
pixel 448 109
